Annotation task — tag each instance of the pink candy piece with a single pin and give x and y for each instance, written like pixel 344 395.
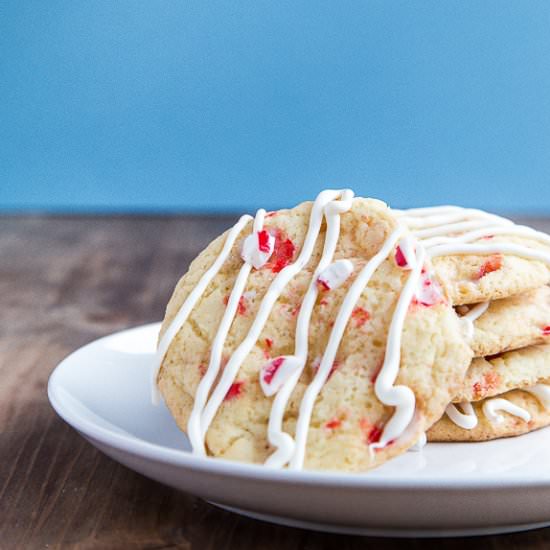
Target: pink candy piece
pixel 429 292
pixel 275 373
pixel 257 248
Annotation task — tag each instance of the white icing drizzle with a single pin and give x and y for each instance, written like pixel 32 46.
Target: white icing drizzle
pixel 184 311
pixel 469 318
pixel 487 249
pixel 430 218
pixel 492 406
pixel 452 230
pixel 542 393
pixel 194 428
pixel 274 291
pixel 466 419
pixel 284 445
pixel 400 397
pixel 420 444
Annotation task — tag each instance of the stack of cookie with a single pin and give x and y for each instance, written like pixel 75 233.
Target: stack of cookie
pixel 503 301
pixel 335 334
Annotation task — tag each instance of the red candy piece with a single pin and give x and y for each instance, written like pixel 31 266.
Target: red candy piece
pixel 272 369
pixel 235 390
pixel 323 284
pixel 268 346
pixel 263 241
pixel 494 263
pixel 490 381
pixel 333 424
pixel 546 330
pixel 372 433
pixel 283 252
pixel 360 316
pixel 241 308
pixel 400 259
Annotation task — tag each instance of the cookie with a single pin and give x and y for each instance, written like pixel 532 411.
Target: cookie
pixel 510 323
pixel 513 413
pixel 480 256
pixel 487 377
pixel 318 337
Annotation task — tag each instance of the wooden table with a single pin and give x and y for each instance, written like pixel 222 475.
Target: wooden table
pixel 65 281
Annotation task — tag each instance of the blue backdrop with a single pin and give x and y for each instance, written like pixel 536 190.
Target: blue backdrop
pixel 211 105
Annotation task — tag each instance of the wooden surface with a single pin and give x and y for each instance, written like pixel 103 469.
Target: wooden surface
pixel 65 281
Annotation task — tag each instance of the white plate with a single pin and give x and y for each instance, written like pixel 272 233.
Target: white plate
pixel 103 391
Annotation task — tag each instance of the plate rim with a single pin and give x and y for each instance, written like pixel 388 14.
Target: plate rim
pixel 350 480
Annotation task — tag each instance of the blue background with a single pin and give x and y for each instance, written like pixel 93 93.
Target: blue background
pixel 210 105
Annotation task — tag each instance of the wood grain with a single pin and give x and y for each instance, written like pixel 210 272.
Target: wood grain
pixel 65 281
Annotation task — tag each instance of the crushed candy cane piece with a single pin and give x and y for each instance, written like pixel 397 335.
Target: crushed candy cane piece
pixel 275 373
pixel 235 390
pixel 258 248
pixel 360 315
pixel 490 382
pixel 283 252
pixel 335 274
pixel 333 423
pixel 546 330
pixel 429 292
pixel 372 432
pixel 494 263
pixel 404 253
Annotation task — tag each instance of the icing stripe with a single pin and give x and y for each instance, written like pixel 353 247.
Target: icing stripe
pixel 400 397
pixel 284 444
pixel 344 314
pixel 467 419
pixel 274 291
pixel 473 315
pixel 191 301
pixel 502 248
pixel 489 231
pixel 542 393
pixel 435 220
pixel 194 429
pixel 492 406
